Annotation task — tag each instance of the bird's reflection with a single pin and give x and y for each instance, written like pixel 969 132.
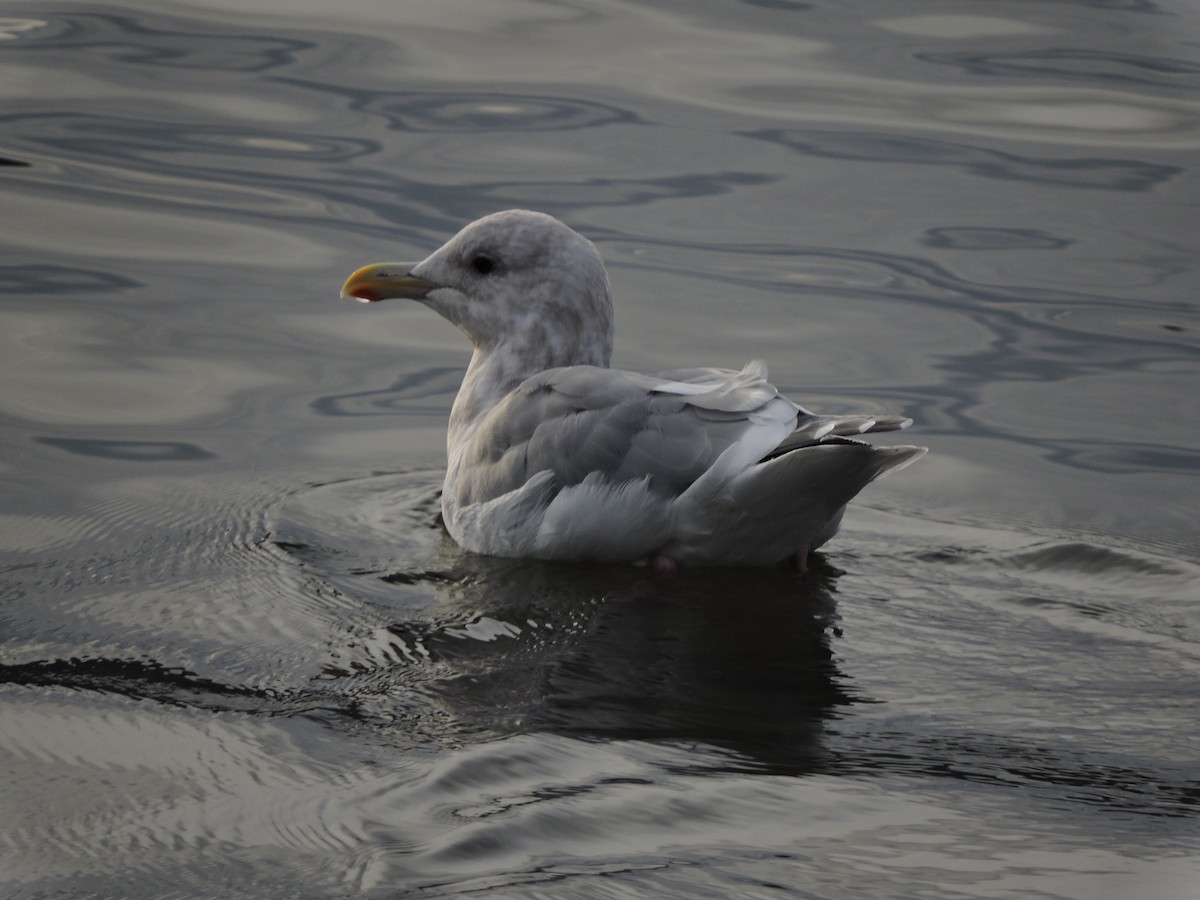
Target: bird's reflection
pixel 740 659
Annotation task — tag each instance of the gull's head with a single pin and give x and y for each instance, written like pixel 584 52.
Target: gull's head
pixel 516 279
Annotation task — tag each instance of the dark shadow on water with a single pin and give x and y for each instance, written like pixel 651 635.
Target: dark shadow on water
pixel 432 645
pixel 736 659
pixel 478 649
pixel 1054 774
pixel 739 664
pixel 446 646
pixel 989 239
pixel 138 679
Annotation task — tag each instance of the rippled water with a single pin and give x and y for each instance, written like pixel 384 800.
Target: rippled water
pixel 239 658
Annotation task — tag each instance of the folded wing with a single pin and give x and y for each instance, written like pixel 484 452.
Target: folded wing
pixel 670 428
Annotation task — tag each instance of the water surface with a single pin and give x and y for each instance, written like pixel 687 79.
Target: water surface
pixel 240 658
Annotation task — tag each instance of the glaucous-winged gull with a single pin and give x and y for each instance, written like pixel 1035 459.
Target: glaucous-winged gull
pixel 553 455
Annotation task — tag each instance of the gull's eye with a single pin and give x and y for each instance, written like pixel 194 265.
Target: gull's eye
pixel 484 265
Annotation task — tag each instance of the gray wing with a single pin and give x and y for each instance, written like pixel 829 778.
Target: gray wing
pixel 628 426
pixel 810 427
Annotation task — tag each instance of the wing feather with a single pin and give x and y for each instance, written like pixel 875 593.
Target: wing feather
pixel 668 428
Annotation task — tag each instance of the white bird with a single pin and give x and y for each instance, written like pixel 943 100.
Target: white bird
pixel 553 455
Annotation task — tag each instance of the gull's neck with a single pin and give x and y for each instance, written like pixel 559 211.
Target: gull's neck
pixel 495 371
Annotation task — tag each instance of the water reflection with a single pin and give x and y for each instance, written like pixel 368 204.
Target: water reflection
pixel 948 238
pixel 1051 772
pixel 427 645
pixel 474 111
pixel 182 146
pixel 1071 172
pixel 735 660
pixel 54 279
pixel 195 165
pixel 126 40
pixel 1065 64
pixel 451 647
pixel 737 667
pixel 138 680
pixel 740 660
pixel 617 193
pixel 420 391
pixel 129 451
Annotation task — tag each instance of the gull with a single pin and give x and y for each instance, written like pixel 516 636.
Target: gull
pixel 554 455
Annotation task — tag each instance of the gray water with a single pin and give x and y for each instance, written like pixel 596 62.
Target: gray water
pixel 239 658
